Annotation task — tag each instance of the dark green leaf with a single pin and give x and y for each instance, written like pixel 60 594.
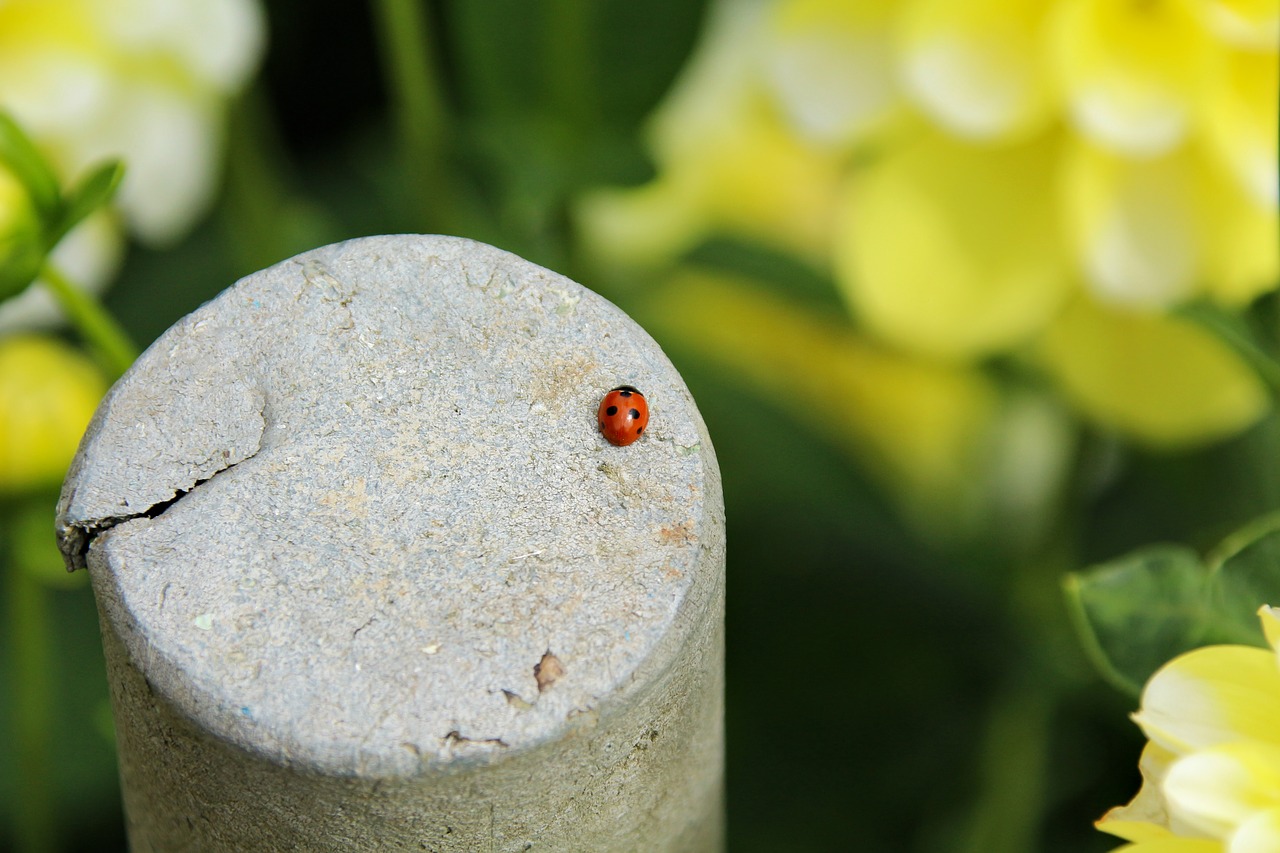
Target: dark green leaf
pixel 1246 575
pixel 1136 613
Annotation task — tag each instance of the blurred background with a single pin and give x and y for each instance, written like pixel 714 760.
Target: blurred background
pixel 972 295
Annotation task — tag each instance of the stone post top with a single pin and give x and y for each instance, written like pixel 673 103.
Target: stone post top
pixel 355 513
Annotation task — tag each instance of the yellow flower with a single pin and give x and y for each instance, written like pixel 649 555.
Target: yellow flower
pixel 955 453
pixel 146 81
pixel 1211 769
pixel 48 393
pixel 727 163
pixel 973 172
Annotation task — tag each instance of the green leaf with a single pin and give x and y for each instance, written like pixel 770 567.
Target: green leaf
pixel 29 166
pixel 94 191
pixel 1138 612
pixel 1246 575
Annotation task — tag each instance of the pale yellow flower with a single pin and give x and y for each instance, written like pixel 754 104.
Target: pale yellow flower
pixel 146 81
pixel 728 164
pixel 955 452
pixel 1036 179
pixel 48 393
pixel 1211 771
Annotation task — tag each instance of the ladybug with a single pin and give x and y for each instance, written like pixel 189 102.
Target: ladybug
pixel 623 415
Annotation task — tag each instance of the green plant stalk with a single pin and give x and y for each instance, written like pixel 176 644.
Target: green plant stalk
pixel 570 71
pixel 30 639
pixel 1013 771
pixel 257 190
pixel 111 344
pixel 408 62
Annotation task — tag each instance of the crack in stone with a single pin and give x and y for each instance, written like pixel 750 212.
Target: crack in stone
pixel 76 538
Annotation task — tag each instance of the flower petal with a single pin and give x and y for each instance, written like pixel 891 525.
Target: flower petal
pixel 977 68
pixel 954 250
pixel 1134 224
pixel 1145 817
pixel 1241 109
pixel 830 64
pixel 1130 71
pixel 1250 24
pixel 1212 696
pixel 1259 834
pixel 1270 617
pixel 1215 791
pixel 1162 380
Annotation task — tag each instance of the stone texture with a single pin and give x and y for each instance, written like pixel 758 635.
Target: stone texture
pixel 370 578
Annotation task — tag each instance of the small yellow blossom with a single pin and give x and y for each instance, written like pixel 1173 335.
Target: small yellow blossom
pixel 1211 771
pixel 48 393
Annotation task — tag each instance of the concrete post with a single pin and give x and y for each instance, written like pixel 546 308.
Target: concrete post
pixel 369 577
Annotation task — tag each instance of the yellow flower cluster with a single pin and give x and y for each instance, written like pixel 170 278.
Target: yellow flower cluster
pixel 1035 178
pixel 1211 769
pixel 145 81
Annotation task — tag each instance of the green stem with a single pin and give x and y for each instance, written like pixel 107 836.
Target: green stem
pixel 114 349
pixel 30 640
pixel 1015 757
pixel 569 67
pixel 409 65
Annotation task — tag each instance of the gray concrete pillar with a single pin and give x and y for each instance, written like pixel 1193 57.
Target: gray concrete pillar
pixel 370 578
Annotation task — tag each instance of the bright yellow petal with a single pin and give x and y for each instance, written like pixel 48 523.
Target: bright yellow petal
pixel 1131 72
pixel 48 392
pixel 831 66
pixel 1216 790
pixel 1259 834
pixel 1160 379
pixel 954 250
pixel 977 67
pixel 1241 237
pixel 1250 24
pixel 1270 617
pixel 1212 696
pixel 1145 817
pixel 1241 110
pixel 1134 224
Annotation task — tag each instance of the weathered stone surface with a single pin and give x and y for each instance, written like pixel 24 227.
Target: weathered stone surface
pixel 368 573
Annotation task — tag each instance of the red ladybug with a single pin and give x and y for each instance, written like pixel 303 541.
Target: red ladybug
pixel 623 415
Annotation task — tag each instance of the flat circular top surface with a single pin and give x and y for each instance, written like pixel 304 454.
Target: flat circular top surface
pixel 356 513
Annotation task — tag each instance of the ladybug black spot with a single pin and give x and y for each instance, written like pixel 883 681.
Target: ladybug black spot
pixel 639 430
pixel 611 411
pixel 635 414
